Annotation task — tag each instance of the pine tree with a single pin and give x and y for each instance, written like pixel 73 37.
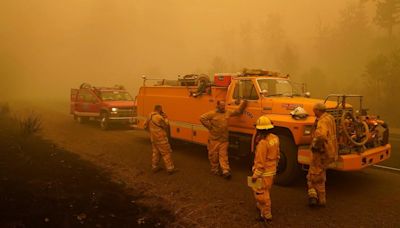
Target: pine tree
pixel 388 14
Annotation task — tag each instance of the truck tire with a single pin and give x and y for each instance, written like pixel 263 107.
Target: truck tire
pixel 288 168
pixel 104 121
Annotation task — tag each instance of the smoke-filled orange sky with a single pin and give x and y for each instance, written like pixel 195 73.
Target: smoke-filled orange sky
pixel 47 46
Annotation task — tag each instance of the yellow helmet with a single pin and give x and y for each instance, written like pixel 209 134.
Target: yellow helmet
pixel 264 123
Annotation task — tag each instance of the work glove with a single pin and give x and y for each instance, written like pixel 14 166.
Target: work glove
pixel 317 145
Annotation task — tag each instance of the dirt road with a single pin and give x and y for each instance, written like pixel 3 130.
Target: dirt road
pixel 394 160
pixel 369 198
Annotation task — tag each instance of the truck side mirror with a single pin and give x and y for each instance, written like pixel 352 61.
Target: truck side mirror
pixel 264 93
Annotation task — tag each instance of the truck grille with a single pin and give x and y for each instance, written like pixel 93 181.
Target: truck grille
pixel 337 113
pixel 126 112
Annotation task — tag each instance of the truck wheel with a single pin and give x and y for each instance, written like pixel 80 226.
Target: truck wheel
pixel 288 168
pixel 104 122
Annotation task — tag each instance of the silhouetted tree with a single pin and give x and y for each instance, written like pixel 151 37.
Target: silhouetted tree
pixel 382 80
pixel 247 44
pixel 354 21
pixel 322 38
pixel 273 38
pixel 218 65
pixel 343 49
pixel 288 61
pixel 387 14
pixel 316 82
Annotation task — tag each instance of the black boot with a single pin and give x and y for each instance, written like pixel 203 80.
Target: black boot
pixel 172 171
pixel 227 175
pixel 156 169
pixel 268 221
pixel 312 201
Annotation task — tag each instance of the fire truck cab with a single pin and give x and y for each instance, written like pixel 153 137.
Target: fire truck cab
pixel 108 105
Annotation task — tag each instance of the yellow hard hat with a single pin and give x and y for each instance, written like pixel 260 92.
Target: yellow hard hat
pixel 264 123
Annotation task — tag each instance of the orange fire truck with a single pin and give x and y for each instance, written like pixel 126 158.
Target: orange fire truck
pixel 363 139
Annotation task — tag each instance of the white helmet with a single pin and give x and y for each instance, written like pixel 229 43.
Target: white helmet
pixel 299 113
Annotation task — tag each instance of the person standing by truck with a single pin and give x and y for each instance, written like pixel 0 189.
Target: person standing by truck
pixel 324 149
pixel 217 123
pixel 265 162
pixel 157 125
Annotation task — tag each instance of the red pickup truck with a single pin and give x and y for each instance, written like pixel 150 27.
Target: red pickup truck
pixel 105 104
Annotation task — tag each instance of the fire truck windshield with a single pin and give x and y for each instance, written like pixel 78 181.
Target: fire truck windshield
pixel 276 87
pixel 115 96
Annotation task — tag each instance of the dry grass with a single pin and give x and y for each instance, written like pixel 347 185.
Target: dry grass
pixel 29 124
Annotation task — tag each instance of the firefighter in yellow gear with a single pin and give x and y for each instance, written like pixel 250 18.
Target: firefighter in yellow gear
pixel 157 125
pixel 324 148
pixel 217 123
pixel 265 164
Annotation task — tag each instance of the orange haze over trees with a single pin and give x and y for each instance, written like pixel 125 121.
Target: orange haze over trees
pixel 344 46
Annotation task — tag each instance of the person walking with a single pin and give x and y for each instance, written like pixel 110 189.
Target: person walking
pixel 265 164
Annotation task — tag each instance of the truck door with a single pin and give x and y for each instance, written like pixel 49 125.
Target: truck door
pixel 88 104
pixel 267 88
pixel 74 97
pixel 244 89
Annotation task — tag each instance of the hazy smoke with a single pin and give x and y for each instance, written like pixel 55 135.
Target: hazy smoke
pixel 47 46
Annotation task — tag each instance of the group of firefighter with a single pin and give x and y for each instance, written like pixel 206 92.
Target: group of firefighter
pixel 267 154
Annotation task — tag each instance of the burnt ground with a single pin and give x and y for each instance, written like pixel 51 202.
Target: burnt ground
pixel 366 198
pixel 43 185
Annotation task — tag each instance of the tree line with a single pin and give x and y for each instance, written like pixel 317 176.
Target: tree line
pixel 360 53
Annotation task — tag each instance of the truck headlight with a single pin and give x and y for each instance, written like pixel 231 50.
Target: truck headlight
pixel 307 130
pixel 114 109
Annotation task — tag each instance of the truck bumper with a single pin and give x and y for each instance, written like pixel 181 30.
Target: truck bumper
pixel 351 162
pixel 131 120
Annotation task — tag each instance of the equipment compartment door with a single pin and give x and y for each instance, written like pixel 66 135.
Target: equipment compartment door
pixel 200 134
pixel 181 130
